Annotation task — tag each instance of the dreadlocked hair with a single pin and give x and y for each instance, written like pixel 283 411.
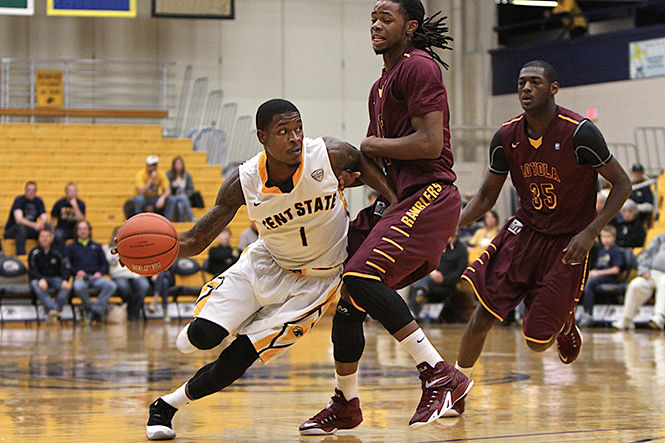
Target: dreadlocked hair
pixel 431 32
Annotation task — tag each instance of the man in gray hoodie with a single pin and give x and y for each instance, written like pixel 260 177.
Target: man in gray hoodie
pixel 650 278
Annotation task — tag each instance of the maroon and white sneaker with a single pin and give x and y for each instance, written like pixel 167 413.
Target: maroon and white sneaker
pixel 456 410
pixel 443 387
pixel 339 413
pixel 569 341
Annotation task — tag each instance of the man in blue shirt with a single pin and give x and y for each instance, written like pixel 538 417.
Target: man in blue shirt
pixel 643 196
pixel 606 270
pixel 26 217
pixel 88 265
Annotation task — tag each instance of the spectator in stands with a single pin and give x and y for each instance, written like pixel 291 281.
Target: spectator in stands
pixel 609 262
pixel 440 286
pixel 131 286
pixel 571 17
pixel 182 189
pixel 643 195
pixel 88 265
pixel 650 278
pixel 162 283
pixel 223 255
pixel 630 230
pixel 65 214
pixel 153 192
pixel 248 236
pixel 601 198
pixel 483 236
pixel 48 271
pixel 26 217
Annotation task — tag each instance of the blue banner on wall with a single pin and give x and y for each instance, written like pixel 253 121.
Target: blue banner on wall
pixel 580 61
pixel 92 8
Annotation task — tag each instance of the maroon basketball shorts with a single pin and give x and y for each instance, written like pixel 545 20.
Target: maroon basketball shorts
pixel 405 244
pixel 522 264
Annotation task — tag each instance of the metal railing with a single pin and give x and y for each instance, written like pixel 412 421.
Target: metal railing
pixel 90 84
pixel 650 143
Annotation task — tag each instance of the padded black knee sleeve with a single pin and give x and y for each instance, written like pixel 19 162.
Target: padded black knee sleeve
pixel 380 301
pixel 231 364
pixel 347 333
pixel 205 334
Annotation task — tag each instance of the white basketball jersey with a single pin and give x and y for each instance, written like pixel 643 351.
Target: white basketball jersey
pixel 304 228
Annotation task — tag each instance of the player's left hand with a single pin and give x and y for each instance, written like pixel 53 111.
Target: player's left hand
pixel 577 248
pixel 367 148
pixel 114 251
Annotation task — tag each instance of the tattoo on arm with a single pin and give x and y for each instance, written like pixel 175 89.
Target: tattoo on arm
pixel 342 155
pixel 345 156
pixel 229 199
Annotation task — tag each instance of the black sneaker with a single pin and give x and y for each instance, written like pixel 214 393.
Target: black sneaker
pixel 159 424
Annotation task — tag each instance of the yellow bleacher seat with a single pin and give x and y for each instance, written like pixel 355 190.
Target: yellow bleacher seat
pixel 9 246
pixel 102 160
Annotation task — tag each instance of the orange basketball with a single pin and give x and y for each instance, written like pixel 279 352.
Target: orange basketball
pixel 148 243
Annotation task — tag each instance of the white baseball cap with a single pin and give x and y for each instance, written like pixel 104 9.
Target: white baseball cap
pixel 152 160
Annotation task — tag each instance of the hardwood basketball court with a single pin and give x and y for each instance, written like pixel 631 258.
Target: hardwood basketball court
pixel 94 384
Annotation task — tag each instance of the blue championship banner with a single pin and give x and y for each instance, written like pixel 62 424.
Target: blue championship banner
pixel 92 8
pixel 17 7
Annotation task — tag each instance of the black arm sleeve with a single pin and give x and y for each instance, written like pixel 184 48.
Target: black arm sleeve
pixel 498 161
pixel 590 146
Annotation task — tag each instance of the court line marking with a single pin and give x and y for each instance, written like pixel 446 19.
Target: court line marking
pixel 544 434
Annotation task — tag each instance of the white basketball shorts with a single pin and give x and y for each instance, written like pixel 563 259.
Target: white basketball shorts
pixel 272 306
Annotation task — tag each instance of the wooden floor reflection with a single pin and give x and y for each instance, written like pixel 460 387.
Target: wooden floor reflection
pixel 95 384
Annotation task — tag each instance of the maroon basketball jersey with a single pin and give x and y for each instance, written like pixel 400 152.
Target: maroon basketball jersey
pixel 557 194
pixel 411 88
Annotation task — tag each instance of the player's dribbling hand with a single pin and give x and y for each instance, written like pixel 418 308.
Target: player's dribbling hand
pixel 575 252
pixel 114 251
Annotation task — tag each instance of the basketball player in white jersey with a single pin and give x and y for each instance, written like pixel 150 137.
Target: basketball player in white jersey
pixel 284 281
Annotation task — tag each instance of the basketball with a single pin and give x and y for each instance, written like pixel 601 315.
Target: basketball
pixel 148 243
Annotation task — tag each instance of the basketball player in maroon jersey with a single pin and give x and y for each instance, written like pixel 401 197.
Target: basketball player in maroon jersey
pixel 409 135
pixel 540 255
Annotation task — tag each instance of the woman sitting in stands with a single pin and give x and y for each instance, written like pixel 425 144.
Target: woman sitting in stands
pixel 182 188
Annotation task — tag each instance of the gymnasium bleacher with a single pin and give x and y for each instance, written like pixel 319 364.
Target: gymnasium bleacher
pixel 102 160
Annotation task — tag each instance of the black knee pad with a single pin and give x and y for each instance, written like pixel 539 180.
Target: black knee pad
pixel 205 334
pixel 347 333
pixel 380 301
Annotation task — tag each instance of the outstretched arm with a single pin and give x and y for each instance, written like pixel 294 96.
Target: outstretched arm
pixel 344 156
pixel 484 199
pixel 489 191
pixel 229 199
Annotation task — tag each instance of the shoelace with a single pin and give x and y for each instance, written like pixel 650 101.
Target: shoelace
pixel 427 401
pixel 327 413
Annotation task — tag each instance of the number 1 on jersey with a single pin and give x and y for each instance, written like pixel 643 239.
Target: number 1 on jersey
pixel 303 237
